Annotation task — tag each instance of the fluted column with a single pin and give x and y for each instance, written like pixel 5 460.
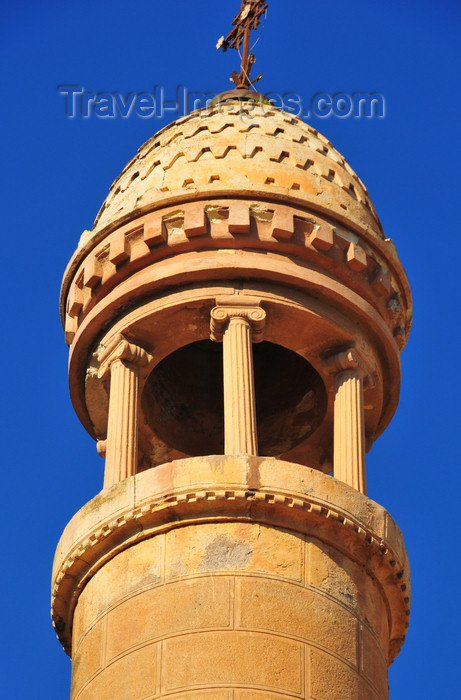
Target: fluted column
pixel 349 421
pixel 239 395
pixel 120 364
pixel 237 327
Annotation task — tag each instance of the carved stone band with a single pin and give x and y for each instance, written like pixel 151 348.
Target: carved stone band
pixel 121 349
pixel 222 315
pixel 178 493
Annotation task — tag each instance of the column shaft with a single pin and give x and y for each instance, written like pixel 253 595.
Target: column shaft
pixel 122 426
pixel 240 432
pixel 349 432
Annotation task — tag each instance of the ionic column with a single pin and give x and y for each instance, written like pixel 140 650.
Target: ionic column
pixel 237 327
pixel 120 364
pixel 349 420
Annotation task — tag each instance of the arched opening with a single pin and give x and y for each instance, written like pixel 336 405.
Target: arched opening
pixel 183 399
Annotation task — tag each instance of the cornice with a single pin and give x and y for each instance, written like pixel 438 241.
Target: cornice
pixel 260 490
pixel 368 267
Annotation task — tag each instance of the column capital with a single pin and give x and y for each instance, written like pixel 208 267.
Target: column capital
pixel 121 349
pixel 348 361
pixel 231 307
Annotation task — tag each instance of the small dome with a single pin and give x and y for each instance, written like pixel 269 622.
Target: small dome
pixel 237 146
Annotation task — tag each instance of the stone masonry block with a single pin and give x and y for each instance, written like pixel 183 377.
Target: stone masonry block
pixel 128 573
pixel 154 231
pixel 374 663
pixel 75 301
pixel 70 329
pixel 322 238
pixel 283 224
pixel 335 574
pixel 239 218
pixel 195 221
pixel 229 658
pixel 239 547
pixel 93 272
pixel 356 257
pixel 122 679
pixel 195 604
pixel 119 248
pixel 90 657
pixel 381 282
pixel 284 608
pixel 243 694
pixel 330 679
pixel 203 694
pixel 182 474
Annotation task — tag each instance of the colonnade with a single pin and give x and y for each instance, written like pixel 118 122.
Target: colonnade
pixel 237 325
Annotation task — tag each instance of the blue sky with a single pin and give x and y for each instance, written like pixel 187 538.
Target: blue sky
pixel 56 173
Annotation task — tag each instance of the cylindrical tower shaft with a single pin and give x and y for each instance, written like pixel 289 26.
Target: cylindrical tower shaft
pixel 185 595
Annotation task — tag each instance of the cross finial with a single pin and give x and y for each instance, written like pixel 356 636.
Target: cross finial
pixel 247 19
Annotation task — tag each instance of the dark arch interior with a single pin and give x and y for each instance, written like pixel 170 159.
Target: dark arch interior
pixel 183 399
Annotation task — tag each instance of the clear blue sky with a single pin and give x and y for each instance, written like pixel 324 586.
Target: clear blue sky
pixel 55 175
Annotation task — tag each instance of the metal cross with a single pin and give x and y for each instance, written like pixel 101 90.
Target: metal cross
pixel 247 19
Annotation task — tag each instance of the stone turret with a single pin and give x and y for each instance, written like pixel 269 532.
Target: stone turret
pixel 234 319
